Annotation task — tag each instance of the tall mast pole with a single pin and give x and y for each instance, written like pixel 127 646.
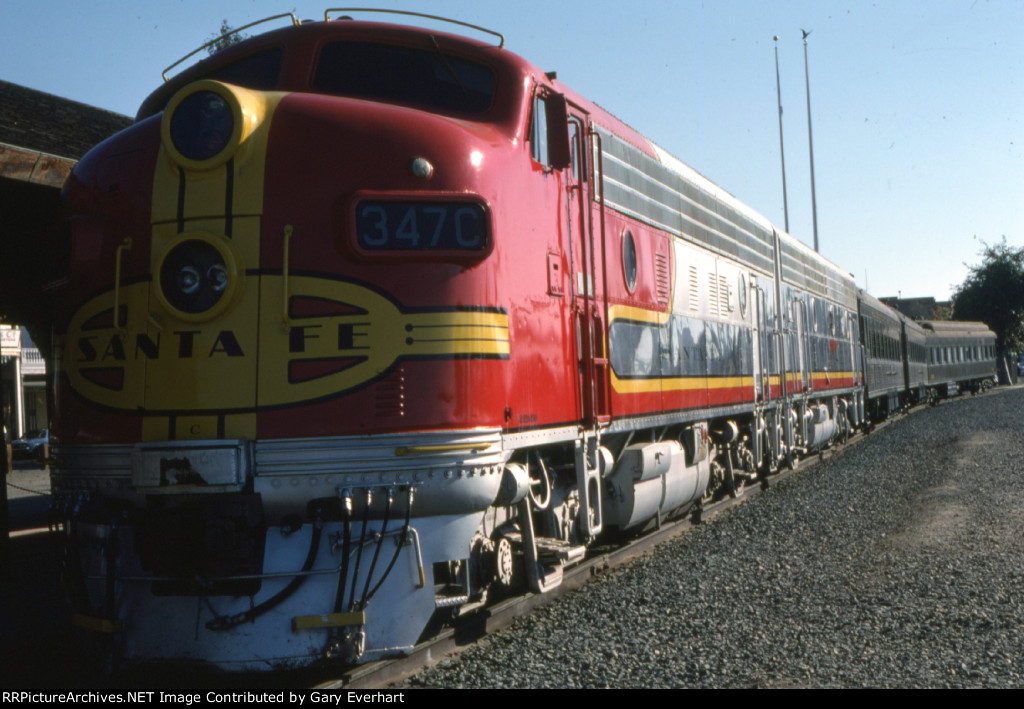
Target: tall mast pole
pixel 810 140
pixel 782 147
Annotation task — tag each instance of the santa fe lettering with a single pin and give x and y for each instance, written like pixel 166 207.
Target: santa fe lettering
pixel 146 347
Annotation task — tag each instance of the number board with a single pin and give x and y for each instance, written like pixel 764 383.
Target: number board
pixel 418 226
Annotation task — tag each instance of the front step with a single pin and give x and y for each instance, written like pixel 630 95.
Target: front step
pixel 551 550
pixel 556 550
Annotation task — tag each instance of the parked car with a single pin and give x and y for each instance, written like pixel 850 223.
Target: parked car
pixel 31 446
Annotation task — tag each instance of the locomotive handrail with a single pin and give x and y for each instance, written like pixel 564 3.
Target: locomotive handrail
pixel 763 339
pixel 285 258
pixel 501 38
pixel 599 179
pixel 295 23
pixel 125 245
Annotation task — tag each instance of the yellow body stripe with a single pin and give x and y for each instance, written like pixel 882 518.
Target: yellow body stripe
pixel 667 384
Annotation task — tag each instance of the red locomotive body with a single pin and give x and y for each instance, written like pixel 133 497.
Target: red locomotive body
pixel 364 320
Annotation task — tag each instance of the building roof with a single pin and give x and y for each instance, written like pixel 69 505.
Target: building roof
pixel 41 139
pixel 44 123
pixel 919 308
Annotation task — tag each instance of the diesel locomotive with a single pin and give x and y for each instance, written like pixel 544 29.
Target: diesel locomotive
pixel 363 322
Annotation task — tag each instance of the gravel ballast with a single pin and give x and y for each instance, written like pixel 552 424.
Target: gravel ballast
pixel 897 563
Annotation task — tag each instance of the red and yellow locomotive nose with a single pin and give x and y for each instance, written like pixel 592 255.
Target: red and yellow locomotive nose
pixel 183 344
pixel 241 301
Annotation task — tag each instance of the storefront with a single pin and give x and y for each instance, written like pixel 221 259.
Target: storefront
pixel 22 382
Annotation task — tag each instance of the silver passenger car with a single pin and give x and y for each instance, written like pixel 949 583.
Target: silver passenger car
pixel 961 356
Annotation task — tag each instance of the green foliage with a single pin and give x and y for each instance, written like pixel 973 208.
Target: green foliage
pixel 994 294
pixel 225 38
pixel 941 312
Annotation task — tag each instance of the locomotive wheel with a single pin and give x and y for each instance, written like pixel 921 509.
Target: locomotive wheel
pixel 791 460
pixel 745 464
pixel 540 486
pixel 746 457
pixel 504 563
pixel 717 483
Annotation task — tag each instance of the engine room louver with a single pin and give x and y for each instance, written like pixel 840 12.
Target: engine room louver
pixel 694 289
pixel 662 277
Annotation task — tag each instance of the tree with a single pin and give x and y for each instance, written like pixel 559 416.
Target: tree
pixel 941 312
pixel 994 294
pixel 225 38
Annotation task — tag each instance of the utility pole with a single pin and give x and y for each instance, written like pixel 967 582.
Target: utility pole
pixel 810 140
pixel 782 147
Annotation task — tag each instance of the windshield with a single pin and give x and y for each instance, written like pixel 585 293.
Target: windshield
pixel 259 71
pixel 404 75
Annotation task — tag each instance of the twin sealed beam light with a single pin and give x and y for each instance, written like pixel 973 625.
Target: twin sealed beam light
pixel 199 276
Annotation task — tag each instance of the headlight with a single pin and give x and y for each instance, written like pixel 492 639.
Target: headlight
pixel 201 125
pixel 207 123
pixel 198 276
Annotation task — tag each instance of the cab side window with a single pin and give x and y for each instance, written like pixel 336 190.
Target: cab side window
pixel 539 130
pixel 578 153
pixel 549 131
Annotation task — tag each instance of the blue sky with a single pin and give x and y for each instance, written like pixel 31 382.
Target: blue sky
pixel 917 106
